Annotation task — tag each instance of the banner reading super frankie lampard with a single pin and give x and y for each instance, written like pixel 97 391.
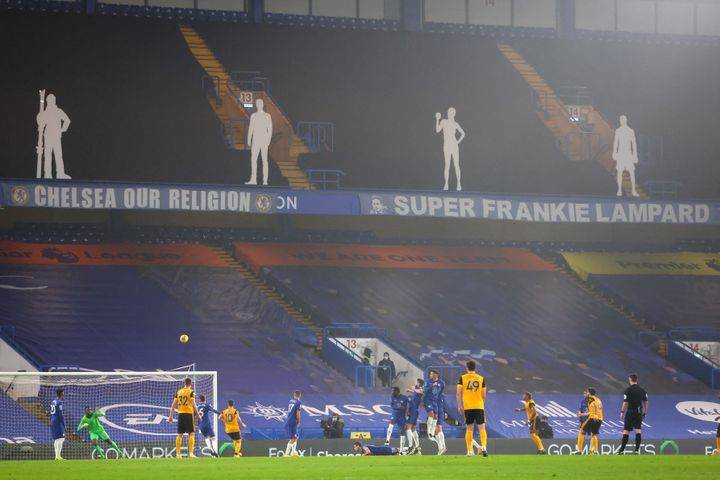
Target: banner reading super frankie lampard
pixel 538 209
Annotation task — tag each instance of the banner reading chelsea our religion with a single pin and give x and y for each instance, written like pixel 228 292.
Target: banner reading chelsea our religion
pixel 193 198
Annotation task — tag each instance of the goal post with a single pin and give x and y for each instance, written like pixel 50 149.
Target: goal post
pixel 135 407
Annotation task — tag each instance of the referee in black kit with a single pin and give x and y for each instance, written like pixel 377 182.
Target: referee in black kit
pixel 634 409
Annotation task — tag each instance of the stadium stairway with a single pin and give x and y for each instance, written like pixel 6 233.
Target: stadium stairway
pixel 272 295
pixel 641 323
pixel 286 146
pixel 553 113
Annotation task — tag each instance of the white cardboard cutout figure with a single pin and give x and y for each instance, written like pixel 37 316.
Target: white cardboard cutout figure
pixel 52 123
pixel 259 136
pixel 625 154
pixel 451 143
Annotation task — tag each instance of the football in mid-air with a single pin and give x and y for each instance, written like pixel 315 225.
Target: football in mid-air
pixel 184 338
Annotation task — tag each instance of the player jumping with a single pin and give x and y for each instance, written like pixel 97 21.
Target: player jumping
pixel 185 402
pixel 430 400
pixel 291 423
pixel 413 410
pixel 97 431
pixel 57 423
pixel 398 405
pixel 533 420
pixel 231 418
pixel 375 450
pixel 471 395
pixel 206 428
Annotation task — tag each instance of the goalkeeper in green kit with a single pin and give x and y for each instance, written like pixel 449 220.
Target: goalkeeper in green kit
pixel 96 431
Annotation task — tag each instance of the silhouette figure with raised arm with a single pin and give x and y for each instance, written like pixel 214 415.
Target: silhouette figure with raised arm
pixel 259 136
pixel 451 143
pixel 625 154
pixel 52 123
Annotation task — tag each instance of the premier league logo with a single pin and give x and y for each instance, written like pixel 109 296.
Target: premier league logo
pixel 20 195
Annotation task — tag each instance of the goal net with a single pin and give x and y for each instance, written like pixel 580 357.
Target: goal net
pixel 135 407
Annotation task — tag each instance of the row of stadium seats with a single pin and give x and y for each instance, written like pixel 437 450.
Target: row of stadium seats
pixel 534 330
pixel 494 31
pixel 173 14
pixel 652 93
pixel 669 301
pixel 107 318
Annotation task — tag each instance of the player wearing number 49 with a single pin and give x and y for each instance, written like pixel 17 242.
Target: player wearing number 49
pixel 97 432
pixel 471 394
pixel 185 402
pixel 57 423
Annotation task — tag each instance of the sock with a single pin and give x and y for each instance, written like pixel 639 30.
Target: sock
pixel 595 443
pixel 388 435
pixel 469 440
pixel 475 444
pixel 55 447
pixel 208 444
pixel 288 449
pixel 238 445
pixel 625 439
pixel 402 441
pixel 117 449
pixel 410 438
pixel 416 437
pixel 60 445
pixel 717 443
pixel 99 451
pixel 638 440
pixel 483 439
pixel 178 445
pixel 581 441
pixel 441 440
pixel 536 440
pixel 191 445
pixel 294 447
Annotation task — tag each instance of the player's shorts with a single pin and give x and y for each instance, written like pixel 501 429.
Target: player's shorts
pixel 534 424
pixel 431 407
pixel 291 430
pixel 412 417
pixel 58 431
pixel 186 423
pixel 207 431
pixel 633 421
pixel 475 416
pixel 234 435
pixel 592 426
pixel 101 435
pixel 398 418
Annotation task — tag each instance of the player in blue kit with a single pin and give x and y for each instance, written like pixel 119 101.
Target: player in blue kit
pixel 291 423
pixel 398 405
pixel 430 399
pixel 413 411
pixel 439 434
pixel 57 423
pixel 375 450
pixel 206 428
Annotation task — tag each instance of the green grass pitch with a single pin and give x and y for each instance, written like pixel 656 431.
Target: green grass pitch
pixel 524 467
